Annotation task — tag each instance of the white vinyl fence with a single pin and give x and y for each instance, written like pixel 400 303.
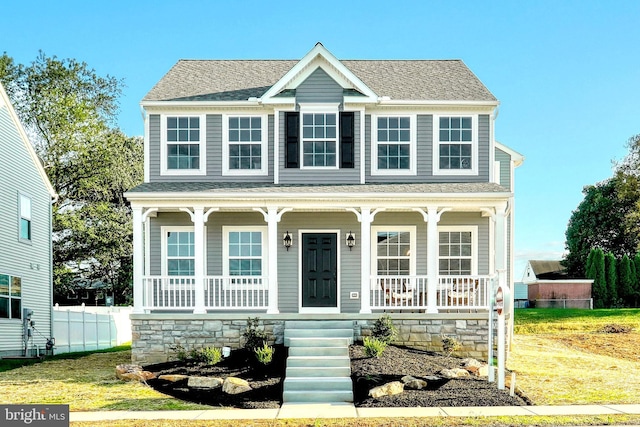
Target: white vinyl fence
pixel 87 328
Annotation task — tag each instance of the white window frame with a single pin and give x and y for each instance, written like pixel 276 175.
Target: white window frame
pixel 265 252
pixel 10 298
pixel 413 137
pixel 23 199
pixel 202 170
pixel 264 145
pixel 474 145
pixel 474 244
pixel 179 228
pixel 324 108
pixel 393 228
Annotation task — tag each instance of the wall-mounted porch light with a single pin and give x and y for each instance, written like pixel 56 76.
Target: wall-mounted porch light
pixel 351 240
pixel 287 241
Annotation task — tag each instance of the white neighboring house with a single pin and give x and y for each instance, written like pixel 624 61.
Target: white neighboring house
pixel 25 231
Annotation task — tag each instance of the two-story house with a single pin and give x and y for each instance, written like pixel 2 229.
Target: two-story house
pixel 319 189
pixel 26 290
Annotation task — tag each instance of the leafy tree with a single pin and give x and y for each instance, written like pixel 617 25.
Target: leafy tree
pixel 636 288
pixel 595 269
pixel 69 112
pixel 602 220
pixel 625 284
pixel 611 274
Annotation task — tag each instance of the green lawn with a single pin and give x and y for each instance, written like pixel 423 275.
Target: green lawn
pixel 555 320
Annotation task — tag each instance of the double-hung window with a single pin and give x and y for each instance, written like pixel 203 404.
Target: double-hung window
pixel 394 251
pixel 179 251
pixel 245 253
pixel 393 145
pixel 10 297
pixel 245 145
pixel 456 251
pixel 183 145
pixel 456 148
pixel 319 127
pixel 24 225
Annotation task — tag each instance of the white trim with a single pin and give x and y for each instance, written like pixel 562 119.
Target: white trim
pixel 474 243
pixel 226 229
pixel 276 146
pixel 146 147
pixel 474 145
pixel 264 146
pixel 413 137
pixel 319 310
pixel 315 108
pixel 412 229
pixel 516 157
pixel 363 146
pixel 163 248
pixel 202 143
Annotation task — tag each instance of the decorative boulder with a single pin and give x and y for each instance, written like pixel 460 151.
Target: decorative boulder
pixel 389 389
pixel 233 385
pixel 128 372
pixel 173 378
pixel 454 373
pixel 413 383
pixel 204 383
pixel 475 367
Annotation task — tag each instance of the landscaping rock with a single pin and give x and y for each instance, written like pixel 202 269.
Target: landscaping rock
pixel 128 372
pixel 206 383
pixel 234 385
pixel 454 373
pixel 389 389
pixel 173 378
pixel 412 383
pixel 475 367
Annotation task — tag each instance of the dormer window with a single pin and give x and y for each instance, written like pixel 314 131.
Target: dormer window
pixel 183 145
pixel 319 135
pixel 244 145
pixel 456 146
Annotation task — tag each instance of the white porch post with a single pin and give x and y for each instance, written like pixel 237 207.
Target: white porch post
pixel 432 259
pixel 500 235
pixel 365 261
pixel 138 261
pixel 272 236
pixel 199 263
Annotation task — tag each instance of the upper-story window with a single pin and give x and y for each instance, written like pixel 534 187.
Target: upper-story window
pixel 183 145
pixel 245 145
pixel 393 148
pixel 319 140
pixel 456 148
pixel 24 226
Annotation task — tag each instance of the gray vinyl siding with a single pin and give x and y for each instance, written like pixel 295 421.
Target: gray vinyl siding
pixel 319 87
pixel 424 153
pixel 505 168
pixel 213 137
pixel 30 261
pixel 326 176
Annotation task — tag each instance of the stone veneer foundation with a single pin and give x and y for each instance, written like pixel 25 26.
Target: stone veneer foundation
pixel 154 336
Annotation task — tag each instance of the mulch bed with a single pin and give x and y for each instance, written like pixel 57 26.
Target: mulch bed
pixel 395 362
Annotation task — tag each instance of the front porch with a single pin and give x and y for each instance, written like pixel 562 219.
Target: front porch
pixel 251 293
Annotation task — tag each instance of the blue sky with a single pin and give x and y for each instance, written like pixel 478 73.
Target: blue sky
pixel 567 73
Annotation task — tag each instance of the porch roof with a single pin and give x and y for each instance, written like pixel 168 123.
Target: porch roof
pixel 251 190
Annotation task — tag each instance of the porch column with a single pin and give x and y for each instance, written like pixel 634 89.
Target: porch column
pixel 500 235
pixel 432 217
pixel 365 259
pixel 138 261
pixel 199 263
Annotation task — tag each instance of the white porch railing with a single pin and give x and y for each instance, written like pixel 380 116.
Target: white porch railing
pixel 220 292
pixel 410 292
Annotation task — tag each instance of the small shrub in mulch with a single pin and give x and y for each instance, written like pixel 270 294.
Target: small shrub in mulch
pixel 614 328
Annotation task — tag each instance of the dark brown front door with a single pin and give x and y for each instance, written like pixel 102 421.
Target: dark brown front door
pixel 319 270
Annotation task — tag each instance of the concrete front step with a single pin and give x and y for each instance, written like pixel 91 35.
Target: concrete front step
pixel 317 342
pixel 318 324
pixel 319 351
pixel 317 371
pixel 315 383
pixel 317 396
pixel 318 333
pixel 318 361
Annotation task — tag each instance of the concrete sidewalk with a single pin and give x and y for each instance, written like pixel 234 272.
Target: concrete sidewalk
pixel 349 411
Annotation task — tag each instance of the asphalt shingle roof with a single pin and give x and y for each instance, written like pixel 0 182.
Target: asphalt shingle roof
pixel 319 189
pixel 235 80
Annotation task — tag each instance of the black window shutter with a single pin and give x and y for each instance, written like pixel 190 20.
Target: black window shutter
pixel 347 141
pixel 292 144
